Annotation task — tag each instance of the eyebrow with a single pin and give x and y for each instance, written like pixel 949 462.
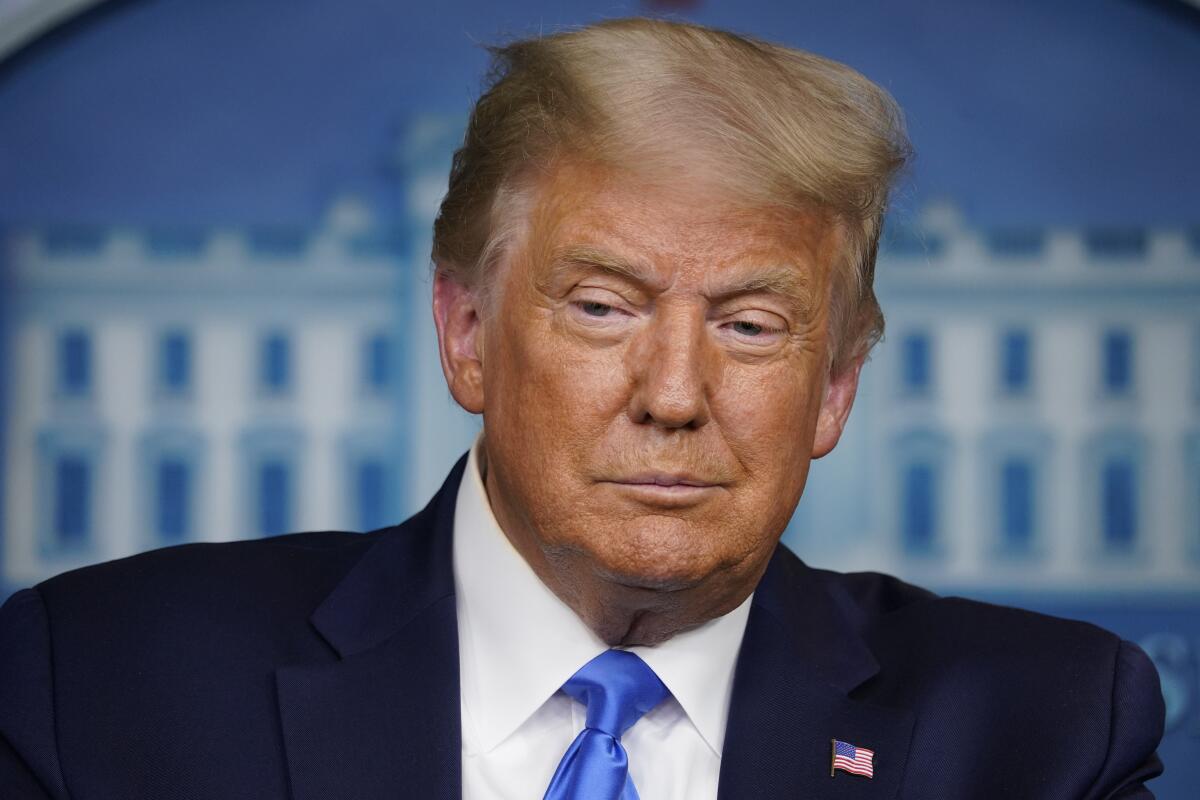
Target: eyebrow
pixel 783 280
pixel 594 258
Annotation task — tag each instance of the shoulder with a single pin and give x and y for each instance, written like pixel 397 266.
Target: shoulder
pixel 181 600
pixel 913 629
pixel 184 638
pixel 918 637
pixel 957 662
pixel 283 571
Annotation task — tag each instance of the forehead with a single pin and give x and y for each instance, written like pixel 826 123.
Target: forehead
pixel 686 223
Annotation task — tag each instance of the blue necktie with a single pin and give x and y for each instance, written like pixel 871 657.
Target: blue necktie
pixel 618 688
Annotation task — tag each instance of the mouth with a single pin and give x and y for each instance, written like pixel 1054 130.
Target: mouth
pixel 665 489
pixel 666 480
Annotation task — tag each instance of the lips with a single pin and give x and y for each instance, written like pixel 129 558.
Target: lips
pixel 666 479
pixel 665 490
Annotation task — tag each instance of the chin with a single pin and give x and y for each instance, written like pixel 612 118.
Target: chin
pixel 656 557
pixel 650 580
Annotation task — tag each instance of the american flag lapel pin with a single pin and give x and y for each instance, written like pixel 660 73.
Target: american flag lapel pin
pixel 852 759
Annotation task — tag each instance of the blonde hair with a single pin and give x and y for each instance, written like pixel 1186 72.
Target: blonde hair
pixel 780 127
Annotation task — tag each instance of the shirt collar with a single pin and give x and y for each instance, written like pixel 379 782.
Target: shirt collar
pixel 518 642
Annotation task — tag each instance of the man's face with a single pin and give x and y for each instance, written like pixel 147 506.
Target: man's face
pixel 652 373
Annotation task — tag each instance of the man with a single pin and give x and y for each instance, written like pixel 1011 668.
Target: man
pixel 653 280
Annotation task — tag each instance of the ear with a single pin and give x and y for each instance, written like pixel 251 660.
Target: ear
pixel 835 408
pixel 456 313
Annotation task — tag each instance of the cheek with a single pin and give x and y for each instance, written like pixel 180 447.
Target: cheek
pixel 767 420
pixel 575 375
pixel 767 415
pixel 550 392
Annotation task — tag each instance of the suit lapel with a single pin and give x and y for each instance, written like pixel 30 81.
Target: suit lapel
pixel 382 721
pixel 800 660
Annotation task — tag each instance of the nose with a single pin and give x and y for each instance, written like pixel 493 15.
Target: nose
pixel 670 363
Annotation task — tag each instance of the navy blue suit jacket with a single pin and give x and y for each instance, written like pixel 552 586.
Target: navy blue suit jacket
pixel 325 665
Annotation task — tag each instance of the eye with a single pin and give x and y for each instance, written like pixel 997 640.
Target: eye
pixel 594 309
pixel 748 328
pixel 754 328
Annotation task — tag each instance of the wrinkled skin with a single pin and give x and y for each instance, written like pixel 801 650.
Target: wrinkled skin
pixel 652 368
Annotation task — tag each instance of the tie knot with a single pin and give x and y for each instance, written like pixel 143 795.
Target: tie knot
pixel 618 688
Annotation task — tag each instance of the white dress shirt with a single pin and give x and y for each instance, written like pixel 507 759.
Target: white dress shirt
pixel 518 643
